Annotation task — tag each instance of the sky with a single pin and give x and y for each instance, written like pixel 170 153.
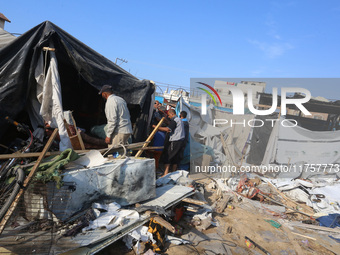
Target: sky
pixel 170 42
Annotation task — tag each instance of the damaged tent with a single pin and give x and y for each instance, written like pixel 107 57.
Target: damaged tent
pixel 46 54
pixel 292 144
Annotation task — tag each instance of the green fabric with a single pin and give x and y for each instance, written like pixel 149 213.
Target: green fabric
pixel 51 170
pixel 273 223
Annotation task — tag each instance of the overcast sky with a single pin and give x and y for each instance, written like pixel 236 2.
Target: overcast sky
pixel 172 41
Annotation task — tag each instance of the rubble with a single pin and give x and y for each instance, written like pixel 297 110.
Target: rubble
pixel 85 201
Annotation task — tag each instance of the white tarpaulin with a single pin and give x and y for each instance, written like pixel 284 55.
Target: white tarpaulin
pixel 289 144
pixel 49 95
pixel 203 130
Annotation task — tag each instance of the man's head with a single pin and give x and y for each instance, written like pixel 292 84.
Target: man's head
pixel 183 114
pixel 171 113
pixel 106 91
pixel 157 104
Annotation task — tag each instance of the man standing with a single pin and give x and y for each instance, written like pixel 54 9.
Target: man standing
pixel 118 128
pixel 157 114
pixel 173 147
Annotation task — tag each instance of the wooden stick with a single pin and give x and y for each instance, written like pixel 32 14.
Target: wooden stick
pixel 304 236
pixel 149 148
pixel 5 147
pixel 150 137
pixel 26 182
pixel 48 49
pixel 82 146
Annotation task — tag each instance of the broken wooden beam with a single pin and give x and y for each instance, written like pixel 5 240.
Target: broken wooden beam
pixel 194 201
pixel 222 204
pixel 161 221
pixel 150 137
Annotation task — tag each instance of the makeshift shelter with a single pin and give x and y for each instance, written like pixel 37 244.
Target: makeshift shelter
pixel 48 52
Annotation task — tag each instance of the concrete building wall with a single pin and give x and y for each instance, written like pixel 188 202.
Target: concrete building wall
pixel 2 23
pixel 223 89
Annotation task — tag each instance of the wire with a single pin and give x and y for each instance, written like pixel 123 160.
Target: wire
pixel 224 242
pixel 159 82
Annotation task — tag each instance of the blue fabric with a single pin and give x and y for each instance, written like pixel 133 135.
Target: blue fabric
pixel 335 239
pixel 158 139
pixel 330 221
pixel 160 99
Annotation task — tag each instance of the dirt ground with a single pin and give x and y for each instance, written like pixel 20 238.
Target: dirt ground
pixel 228 237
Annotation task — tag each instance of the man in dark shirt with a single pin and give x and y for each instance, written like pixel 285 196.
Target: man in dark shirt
pixel 173 146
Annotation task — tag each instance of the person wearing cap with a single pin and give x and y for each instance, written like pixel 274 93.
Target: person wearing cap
pixel 118 128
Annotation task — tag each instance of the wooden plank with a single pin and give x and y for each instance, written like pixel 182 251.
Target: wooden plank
pixel 312 227
pixel 222 204
pixel 27 181
pixel 161 221
pixel 194 201
pixel 150 137
pixel 35 154
pixel 133 146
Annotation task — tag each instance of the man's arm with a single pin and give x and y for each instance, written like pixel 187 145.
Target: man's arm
pixel 172 125
pixel 165 129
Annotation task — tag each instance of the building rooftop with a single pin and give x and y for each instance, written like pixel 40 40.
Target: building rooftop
pixel 4 17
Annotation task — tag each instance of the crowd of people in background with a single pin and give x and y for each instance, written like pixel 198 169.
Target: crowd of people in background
pixel 173 135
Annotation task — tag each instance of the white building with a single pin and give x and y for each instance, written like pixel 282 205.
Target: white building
pixel 3 19
pixel 223 89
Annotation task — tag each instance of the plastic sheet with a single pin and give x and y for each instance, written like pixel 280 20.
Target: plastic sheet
pixel 82 73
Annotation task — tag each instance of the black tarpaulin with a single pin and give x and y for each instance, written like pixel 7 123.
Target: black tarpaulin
pixel 82 71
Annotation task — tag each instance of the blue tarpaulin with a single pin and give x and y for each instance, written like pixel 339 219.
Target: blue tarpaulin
pixel 331 220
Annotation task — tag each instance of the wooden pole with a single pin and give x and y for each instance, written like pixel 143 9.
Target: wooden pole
pixel 150 137
pixel 27 181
